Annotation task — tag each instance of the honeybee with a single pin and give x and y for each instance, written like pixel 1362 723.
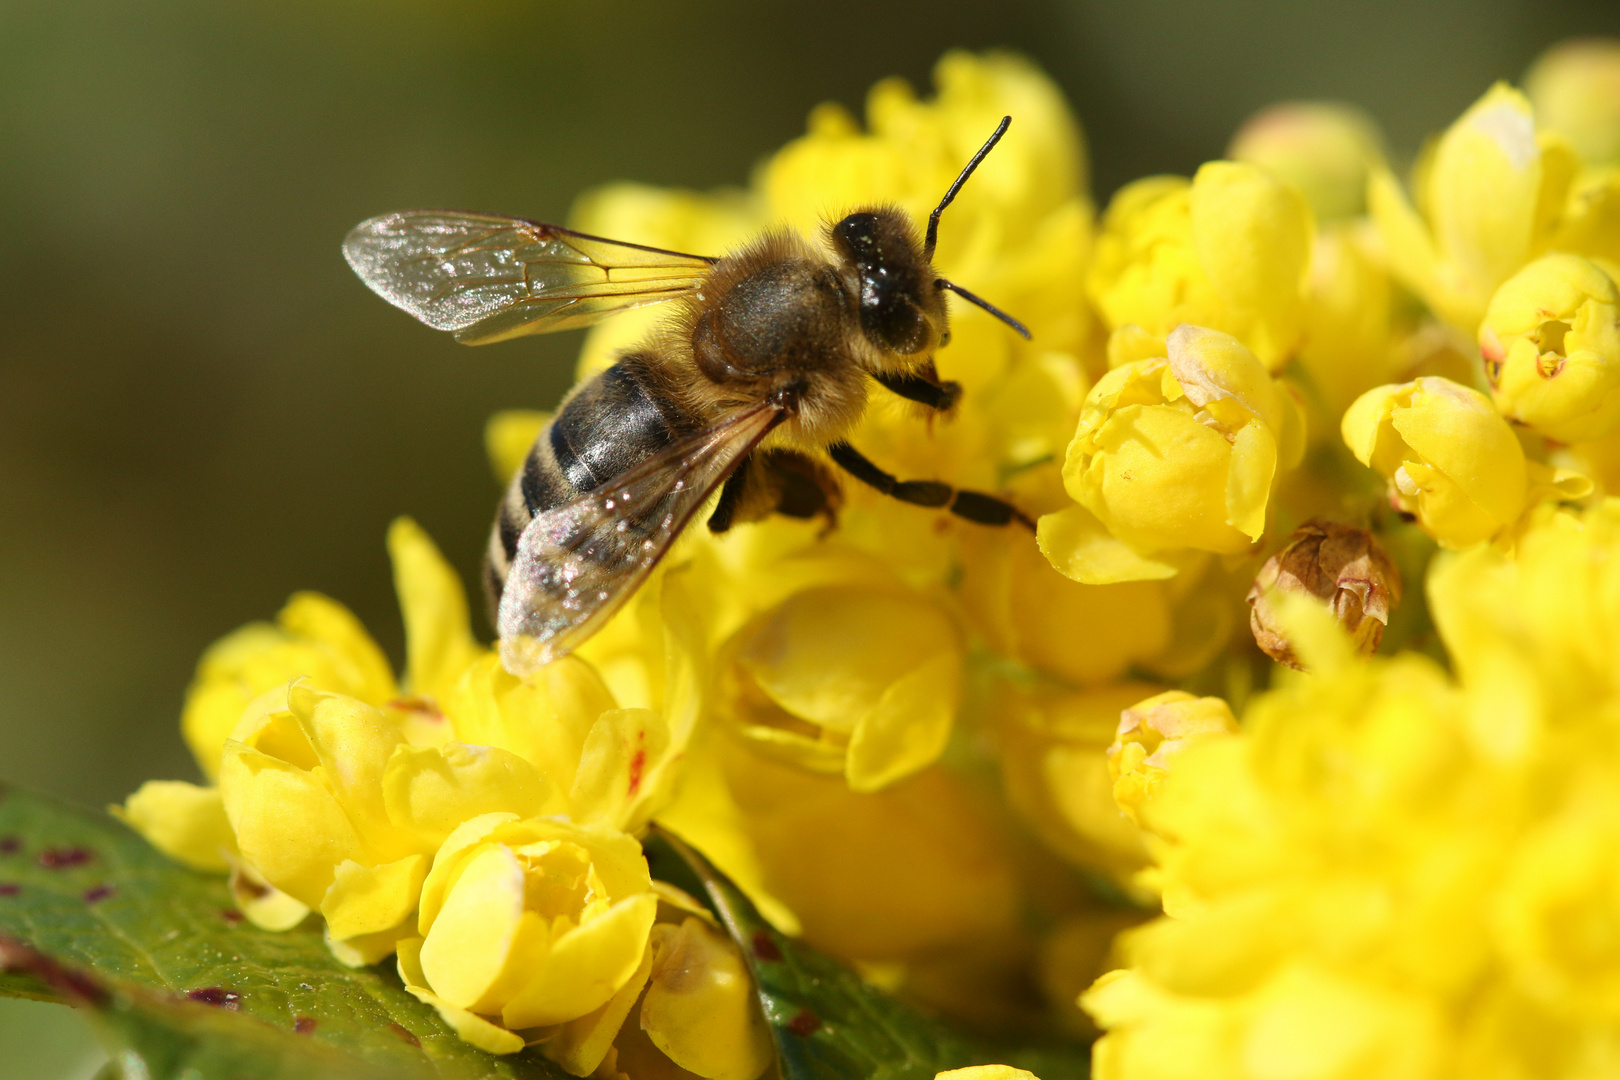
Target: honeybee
pixel 749 387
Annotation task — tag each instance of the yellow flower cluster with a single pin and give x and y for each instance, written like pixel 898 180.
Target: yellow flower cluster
pixel 962 758
pixel 479 825
pixel 1392 871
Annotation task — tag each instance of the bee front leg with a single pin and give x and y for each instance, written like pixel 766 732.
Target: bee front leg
pixel 974 506
pixel 939 396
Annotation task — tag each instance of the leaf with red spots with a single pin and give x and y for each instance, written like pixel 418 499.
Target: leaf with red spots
pixel 154 954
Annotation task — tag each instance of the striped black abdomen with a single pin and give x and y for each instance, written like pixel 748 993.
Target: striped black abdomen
pixel 606 428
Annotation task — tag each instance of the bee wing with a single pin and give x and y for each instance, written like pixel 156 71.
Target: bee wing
pixel 488 278
pixel 577 563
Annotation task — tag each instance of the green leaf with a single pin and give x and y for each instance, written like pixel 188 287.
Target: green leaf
pixel 828 1022
pixel 181 981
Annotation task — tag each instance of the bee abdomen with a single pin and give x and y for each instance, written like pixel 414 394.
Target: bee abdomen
pixel 606 428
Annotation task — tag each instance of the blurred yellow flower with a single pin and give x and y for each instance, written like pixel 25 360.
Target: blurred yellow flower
pixel 1173 455
pixel 1228 250
pixel 1351 328
pixel 1056 774
pixel 1575 88
pixel 1030 613
pixel 851 680
pixel 697 1010
pixel 1551 343
pixel 915 869
pixel 1489 197
pixel 1325 149
pixel 185 822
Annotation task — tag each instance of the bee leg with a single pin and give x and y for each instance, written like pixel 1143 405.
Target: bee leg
pixel 975 506
pixel 725 508
pixel 921 388
pixel 802 486
pixel 777 482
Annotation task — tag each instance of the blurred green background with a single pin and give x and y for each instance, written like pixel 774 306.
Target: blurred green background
pixel 201 410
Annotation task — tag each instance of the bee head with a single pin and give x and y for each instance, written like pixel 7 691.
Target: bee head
pixel 901 309
pixel 901 299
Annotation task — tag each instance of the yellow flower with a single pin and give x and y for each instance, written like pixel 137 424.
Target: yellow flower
pixel 1056 774
pixel 1029 612
pixel 1551 343
pixel 332 805
pixel 528 923
pixel 1391 872
pixel 1489 197
pixel 313 637
pixel 851 680
pixel 1350 343
pixel 916 869
pixel 1575 88
pixel 986 1072
pixel 1172 455
pixel 1227 250
pixel 318 639
pixel 1448 457
pixel 1325 149
pixel 696 1009
pixel 185 822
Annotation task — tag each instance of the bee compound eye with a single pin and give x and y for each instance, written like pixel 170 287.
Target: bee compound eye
pixel 857 233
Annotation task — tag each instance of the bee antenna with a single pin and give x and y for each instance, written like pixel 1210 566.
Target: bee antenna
pixel 951 286
pixel 933 219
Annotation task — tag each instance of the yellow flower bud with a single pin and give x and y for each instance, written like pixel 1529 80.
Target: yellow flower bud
pixel 1575 87
pixel 1179 453
pixel 1151 734
pixel 1228 250
pixel 529 923
pixel 1448 456
pixel 699 1007
pixel 1489 195
pixel 1339 566
pixel 1551 345
pixel 849 679
pixel 1324 149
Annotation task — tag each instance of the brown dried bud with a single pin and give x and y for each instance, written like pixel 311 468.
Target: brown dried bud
pixel 1340 566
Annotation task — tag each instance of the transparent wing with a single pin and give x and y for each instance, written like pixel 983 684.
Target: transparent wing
pixel 488 278
pixel 577 563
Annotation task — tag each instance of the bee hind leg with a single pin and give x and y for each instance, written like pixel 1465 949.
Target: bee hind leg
pixel 974 506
